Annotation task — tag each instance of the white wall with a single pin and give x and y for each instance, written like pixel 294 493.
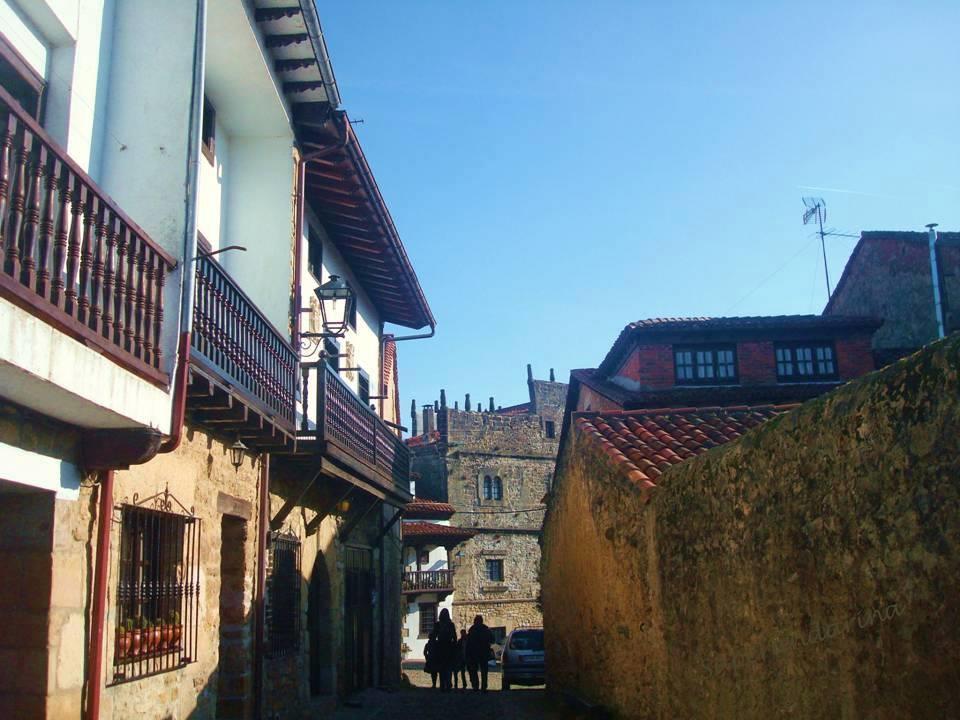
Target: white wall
pixel 364 342
pixel 411 624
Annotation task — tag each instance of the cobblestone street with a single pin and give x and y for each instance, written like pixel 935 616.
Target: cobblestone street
pixel 420 702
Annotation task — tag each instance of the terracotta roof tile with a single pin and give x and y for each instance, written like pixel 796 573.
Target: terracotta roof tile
pixel 423 439
pixel 644 443
pixel 423 508
pixel 434 530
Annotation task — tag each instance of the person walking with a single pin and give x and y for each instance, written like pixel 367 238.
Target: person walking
pixel 430 658
pixel 461 666
pixel 479 653
pixel 446 648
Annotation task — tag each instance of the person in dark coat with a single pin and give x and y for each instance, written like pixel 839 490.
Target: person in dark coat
pixel 446 649
pixel 479 653
pixel 460 666
pixel 430 659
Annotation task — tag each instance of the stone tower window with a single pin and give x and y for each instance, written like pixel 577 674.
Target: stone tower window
pixel 492 488
pixel 497 488
pixel 550 429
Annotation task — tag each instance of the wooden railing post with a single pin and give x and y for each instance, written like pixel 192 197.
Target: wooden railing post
pixel 322 371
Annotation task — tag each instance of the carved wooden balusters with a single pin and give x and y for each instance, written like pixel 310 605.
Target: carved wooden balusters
pixel 70 254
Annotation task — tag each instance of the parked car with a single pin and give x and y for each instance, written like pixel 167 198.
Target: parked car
pixel 522 660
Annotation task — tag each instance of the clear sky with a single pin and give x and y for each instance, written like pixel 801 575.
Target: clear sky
pixel 559 169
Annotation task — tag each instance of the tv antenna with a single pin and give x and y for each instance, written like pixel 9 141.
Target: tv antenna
pixel 817 208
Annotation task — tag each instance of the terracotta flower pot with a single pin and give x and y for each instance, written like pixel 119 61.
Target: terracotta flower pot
pixel 136 642
pixel 177 632
pixel 155 635
pixel 166 635
pixel 124 642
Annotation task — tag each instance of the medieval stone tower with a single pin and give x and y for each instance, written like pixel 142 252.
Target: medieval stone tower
pixel 495 466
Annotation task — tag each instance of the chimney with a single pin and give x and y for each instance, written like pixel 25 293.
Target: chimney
pixel 491 403
pixel 935 278
pixel 413 417
pixel 466 403
pixel 553 378
pixel 456 405
pixel 443 398
pixel 429 419
pixel 529 373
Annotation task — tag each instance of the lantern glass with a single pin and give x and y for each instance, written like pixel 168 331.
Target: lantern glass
pixel 236 453
pixel 335 298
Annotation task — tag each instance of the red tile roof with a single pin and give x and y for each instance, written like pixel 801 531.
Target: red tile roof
pixel 521 409
pixel 421 508
pixel 429 530
pixel 423 439
pixel 645 443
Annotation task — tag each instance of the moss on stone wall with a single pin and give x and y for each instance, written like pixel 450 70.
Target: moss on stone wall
pixel 807 570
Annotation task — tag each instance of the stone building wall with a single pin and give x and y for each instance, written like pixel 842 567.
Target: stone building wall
pixel 888 276
pixel 805 570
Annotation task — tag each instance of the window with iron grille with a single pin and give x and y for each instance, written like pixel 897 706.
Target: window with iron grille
pixel 487 487
pixel 158 591
pixel 428 618
pixel 495 570
pixel 801 362
pixel 705 364
pixel 497 488
pixel 283 595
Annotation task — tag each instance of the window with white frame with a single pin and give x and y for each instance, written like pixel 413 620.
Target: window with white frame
pixel 806 361
pixel 705 364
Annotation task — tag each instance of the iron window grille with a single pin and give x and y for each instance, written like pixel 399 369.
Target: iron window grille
pixel 428 618
pixel 705 364
pixel 283 595
pixel 158 588
pixel 803 362
pixel 495 570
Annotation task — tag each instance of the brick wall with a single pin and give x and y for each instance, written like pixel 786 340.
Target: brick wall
pixel 650 367
pixel 807 570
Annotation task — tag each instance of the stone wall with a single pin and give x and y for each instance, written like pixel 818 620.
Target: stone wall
pixel 806 570
pixel 888 276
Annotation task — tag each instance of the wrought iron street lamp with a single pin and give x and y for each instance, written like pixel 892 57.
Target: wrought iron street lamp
pixel 237 451
pixel 336 300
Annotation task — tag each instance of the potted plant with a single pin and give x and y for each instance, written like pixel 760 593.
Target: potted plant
pixel 176 629
pixel 166 634
pixel 155 635
pixel 136 637
pixel 146 636
pixel 124 639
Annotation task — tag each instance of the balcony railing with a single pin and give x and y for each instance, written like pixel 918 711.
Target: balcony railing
pixel 353 432
pixel 427 580
pixel 71 255
pixel 233 336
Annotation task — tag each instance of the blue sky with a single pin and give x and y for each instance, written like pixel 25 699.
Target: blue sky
pixel 559 169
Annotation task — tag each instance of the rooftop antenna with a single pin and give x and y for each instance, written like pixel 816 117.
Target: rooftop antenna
pixel 817 208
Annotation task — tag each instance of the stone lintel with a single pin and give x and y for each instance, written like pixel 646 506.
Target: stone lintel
pixel 230 505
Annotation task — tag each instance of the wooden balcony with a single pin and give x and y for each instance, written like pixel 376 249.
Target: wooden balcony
pixel 349 432
pixel 420 581
pixel 71 256
pixel 249 369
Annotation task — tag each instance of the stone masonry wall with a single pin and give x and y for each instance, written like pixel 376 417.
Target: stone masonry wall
pixel 889 277
pixel 807 570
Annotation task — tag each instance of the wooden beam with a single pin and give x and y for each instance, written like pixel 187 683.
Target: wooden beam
pixel 277 522
pixel 325 510
pixel 352 524
pixel 274 41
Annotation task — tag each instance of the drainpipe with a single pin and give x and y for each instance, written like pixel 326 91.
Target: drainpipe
pixel 935 278
pixel 259 606
pixel 187 276
pixel 95 664
pixel 298 249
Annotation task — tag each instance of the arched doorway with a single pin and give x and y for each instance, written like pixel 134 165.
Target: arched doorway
pixel 320 629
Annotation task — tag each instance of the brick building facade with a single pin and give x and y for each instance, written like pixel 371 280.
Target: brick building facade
pixel 494 467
